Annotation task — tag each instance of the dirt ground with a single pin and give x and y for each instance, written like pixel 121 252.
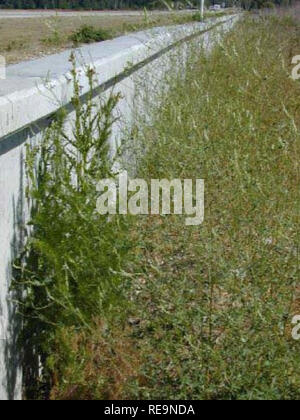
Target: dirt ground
pixel 25 35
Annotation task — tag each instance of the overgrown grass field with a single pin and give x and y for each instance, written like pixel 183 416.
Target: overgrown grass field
pixel 184 312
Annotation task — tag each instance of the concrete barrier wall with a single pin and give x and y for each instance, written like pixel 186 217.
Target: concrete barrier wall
pixel 136 66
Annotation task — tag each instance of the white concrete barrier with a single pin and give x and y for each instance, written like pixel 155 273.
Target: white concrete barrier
pixel 31 93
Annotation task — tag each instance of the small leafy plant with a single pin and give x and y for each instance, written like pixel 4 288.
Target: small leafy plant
pixel 87 34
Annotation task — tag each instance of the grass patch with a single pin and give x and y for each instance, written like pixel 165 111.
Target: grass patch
pixel 215 303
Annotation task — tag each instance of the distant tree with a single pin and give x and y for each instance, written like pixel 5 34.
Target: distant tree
pixel 121 4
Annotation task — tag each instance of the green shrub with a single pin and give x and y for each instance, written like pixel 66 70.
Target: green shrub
pixel 87 34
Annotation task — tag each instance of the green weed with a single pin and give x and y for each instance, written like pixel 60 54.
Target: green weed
pixel 68 274
pixel 87 34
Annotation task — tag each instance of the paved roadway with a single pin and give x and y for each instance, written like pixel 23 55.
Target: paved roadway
pixel 6 14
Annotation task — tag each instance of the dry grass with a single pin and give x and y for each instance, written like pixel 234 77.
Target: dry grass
pixel 25 39
pixel 105 364
pixel 216 302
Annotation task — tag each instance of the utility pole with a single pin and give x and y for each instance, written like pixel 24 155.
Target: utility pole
pixel 201 7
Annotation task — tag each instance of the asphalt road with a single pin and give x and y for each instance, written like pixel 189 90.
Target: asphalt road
pixel 23 14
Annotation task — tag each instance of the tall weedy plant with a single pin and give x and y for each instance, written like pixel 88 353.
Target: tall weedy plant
pixel 68 271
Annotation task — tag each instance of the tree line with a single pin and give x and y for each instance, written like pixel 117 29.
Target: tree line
pixel 128 4
pixel 74 4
